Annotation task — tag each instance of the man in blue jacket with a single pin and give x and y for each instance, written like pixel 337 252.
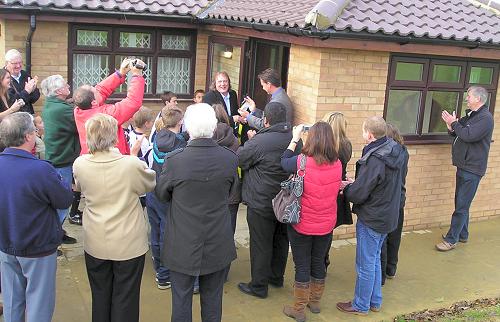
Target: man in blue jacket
pixel 30 231
pixel 375 195
pixel 469 152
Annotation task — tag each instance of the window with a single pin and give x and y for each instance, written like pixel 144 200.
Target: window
pixel 419 89
pixel 96 51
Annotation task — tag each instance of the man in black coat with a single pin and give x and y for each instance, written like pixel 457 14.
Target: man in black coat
pixel 221 93
pixel 376 196
pixel 260 159
pixel 22 85
pixel 197 181
pixel 470 150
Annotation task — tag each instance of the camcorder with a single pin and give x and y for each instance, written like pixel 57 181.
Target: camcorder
pixel 138 65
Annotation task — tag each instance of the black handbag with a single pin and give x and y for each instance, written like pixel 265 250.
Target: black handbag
pixel 287 203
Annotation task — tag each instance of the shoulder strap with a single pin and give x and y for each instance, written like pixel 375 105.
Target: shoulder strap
pixel 303 160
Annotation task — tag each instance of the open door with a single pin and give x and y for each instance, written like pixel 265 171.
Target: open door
pixel 266 54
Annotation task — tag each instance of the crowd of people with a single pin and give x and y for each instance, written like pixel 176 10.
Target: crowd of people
pixel 191 170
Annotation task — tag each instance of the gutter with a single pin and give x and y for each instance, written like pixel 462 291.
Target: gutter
pixel 29 38
pixel 97 13
pixel 333 34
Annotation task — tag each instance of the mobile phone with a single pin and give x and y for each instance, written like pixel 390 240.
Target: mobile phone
pixel 306 128
pixel 245 105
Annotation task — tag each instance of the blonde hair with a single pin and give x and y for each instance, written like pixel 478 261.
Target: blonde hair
pixel 170 116
pixel 101 132
pixel 375 125
pixel 159 125
pixel 143 115
pixel 338 124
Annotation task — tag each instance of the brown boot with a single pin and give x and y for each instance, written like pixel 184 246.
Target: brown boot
pixel 317 288
pixel 301 294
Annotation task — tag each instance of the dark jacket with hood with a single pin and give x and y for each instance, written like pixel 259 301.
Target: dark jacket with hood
pixel 376 192
pixel 472 140
pixel 260 159
pixel 164 143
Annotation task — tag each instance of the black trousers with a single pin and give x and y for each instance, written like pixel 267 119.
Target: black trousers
pixel 233 211
pixel 211 290
pixel 268 249
pixel 116 288
pixel 309 254
pixel 390 249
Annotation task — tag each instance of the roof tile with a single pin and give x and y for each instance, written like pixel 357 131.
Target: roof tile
pixel 180 7
pixel 446 19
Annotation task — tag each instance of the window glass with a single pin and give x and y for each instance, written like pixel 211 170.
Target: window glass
pixel 92 38
pixel 446 74
pixel 435 103
pixel 175 42
pixel 89 69
pixel 481 75
pixel 402 110
pixel 135 40
pixel 409 71
pixel 174 74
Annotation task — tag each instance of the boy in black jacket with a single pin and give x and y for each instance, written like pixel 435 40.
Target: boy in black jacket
pixel 375 195
pixel 167 140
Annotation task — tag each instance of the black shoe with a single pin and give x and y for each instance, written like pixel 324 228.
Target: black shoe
pixel 276 285
pixel 68 240
pixel 245 288
pixel 76 219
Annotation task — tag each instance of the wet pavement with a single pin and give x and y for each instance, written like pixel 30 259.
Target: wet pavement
pixel 425 279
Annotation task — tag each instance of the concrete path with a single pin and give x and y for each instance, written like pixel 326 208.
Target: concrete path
pixel 425 279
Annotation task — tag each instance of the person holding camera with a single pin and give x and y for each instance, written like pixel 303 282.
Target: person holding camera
pixel 23 86
pixel 311 238
pixel 91 100
pixel 8 104
pixel 260 160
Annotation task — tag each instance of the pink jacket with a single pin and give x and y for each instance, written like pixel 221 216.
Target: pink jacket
pixel 121 111
pixel 319 199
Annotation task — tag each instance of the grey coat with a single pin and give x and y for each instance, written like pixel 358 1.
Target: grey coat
pixel 257 120
pixel 197 181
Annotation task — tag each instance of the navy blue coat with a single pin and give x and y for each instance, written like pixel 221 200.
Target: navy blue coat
pixel 31 192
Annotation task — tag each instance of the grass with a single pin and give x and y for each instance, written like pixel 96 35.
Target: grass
pixel 484 310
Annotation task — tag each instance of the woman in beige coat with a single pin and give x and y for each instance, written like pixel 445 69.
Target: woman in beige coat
pixel 114 225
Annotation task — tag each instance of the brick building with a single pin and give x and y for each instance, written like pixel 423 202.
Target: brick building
pixel 404 60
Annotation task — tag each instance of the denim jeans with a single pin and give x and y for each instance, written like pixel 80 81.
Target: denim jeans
pixel 67 176
pixel 465 190
pixel 368 291
pixel 157 212
pixel 28 287
pixel 309 253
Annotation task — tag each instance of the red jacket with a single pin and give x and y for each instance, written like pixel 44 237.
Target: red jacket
pixel 121 111
pixel 319 199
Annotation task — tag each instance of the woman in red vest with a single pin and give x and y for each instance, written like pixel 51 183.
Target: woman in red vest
pixel 310 239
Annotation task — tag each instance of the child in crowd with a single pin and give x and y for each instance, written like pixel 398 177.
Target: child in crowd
pixel 167 140
pixel 169 98
pixel 143 121
pixel 198 96
pixel 39 145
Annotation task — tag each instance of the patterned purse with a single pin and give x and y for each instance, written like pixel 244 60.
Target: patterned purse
pixel 287 203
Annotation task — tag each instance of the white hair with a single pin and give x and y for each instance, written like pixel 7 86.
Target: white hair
pixel 51 84
pixel 12 54
pixel 200 121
